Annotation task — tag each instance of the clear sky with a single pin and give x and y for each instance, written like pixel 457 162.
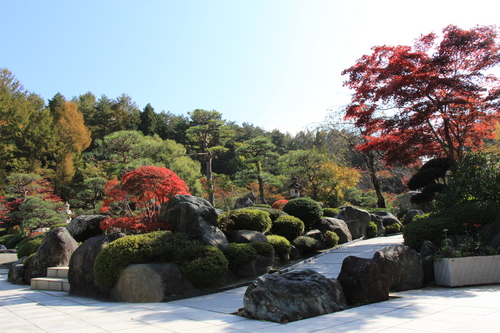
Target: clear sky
pixel 272 63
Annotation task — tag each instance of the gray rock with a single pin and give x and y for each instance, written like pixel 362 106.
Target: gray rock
pixel 296 295
pixel 357 220
pixel 404 264
pixel 336 225
pixel 84 227
pixel 380 225
pixel 193 216
pixel 427 250
pixel 364 280
pixel 149 283
pixel 405 203
pixel 16 272
pixel 387 218
pixel 256 267
pixel 81 266
pixel 248 236
pixel 411 214
pixel 55 251
pixel 317 235
pixel 247 200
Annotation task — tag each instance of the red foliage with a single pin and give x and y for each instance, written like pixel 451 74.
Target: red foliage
pixel 140 195
pixel 434 99
pixel 279 204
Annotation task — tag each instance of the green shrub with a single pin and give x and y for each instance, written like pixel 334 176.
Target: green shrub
pixel 306 209
pixel 206 271
pixel 331 212
pixel 393 228
pixel 281 246
pixel 331 239
pixel 64 225
pixel 288 226
pixel 273 213
pixel 27 261
pixel 29 246
pixel 371 230
pixel 428 227
pixel 11 240
pixel 262 206
pixel 238 254
pixel 263 248
pixel 251 219
pixel 159 246
pixel 307 245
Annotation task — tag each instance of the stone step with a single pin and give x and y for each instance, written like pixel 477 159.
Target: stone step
pixel 59 272
pixel 50 283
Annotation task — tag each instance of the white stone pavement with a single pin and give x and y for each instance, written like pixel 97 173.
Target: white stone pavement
pixel 471 309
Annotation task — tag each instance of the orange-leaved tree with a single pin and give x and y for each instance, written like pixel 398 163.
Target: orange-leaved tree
pixel 436 99
pixel 135 201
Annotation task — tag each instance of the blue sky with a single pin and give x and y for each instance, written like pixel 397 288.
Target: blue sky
pixel 272 63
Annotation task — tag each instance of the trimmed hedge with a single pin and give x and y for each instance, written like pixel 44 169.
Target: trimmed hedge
pixel 331 212
pixel 281 246
pixel 238 254
pixel 288 226
pixel 307 245
pixel 306 209
pixel 251 219
pixel 371 230
pixel 263 248
pixel 273 213
pixel 206 271
pixel 331 238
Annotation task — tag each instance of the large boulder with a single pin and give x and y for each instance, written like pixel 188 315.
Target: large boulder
pixel 16 272
pixel 427 250
pixel 357 220
pixel 149 283
pixel 404 264
pixel 247 200
pixel 296 295
pixel 406 204
pixel 364 280
pixel 387 218
pixel 193 216
pixel 411 214
pixel 336 225
pixel 84 227
pixel 81 266
pixel 260 265
pixel 248 236
pixel 54 251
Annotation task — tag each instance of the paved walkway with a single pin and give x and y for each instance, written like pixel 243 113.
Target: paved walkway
pixel 472 309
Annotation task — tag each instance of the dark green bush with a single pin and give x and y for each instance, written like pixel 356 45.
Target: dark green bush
pixel 288 226
pixel 306 209
pixel 263 248
pixel 273 213
pixel 29 245
pixel 159 246
pixel 206 270
pixel 393 228
pixel 262 206
pixel 371 230
pixel 251 219
pixel 331 239
pixel 281 246
pixel 307 245
pixel 64 225
pixel 238 254
pixel 11 240
pixel 331 212
pixel 428 227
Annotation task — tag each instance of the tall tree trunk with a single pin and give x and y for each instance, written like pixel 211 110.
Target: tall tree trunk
pixel 210 183
pixel 370 161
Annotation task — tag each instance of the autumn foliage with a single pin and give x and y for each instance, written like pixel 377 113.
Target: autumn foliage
pixel 434 99
pixel 135 201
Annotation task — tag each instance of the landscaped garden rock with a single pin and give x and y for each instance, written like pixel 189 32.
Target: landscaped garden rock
pixel 411 214
pixel 387 218
pixel 260 265
pixel 16 272
pixel 406 204
pixel 81 266
pixel 149 283
pixel 427 250
pixel 84 227
pixel 248 236
pixel 379 223
pixel 293 296
pixel 193 216
pixel 55 251
pixel 364 280
pixel 357 220
pixel 404 264
pixel 338 226
pixel 247 200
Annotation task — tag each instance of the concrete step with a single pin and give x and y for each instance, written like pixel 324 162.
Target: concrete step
pixel 59 272
pixel 56 280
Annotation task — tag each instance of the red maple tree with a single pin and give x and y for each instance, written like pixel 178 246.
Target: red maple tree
pixel 435 99
pixel 136 200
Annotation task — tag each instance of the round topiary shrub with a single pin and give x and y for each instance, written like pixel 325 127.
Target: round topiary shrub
pixel 331 239
pixel 281 246
pixel 371 230
pixel 393 228
pixel 306 209
pixel 331 212
pixel 251 219
pixel 238 254
pixel 263 248
pixel 206 271
pixel 273 213
pixel 288 226
pixel 307 245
